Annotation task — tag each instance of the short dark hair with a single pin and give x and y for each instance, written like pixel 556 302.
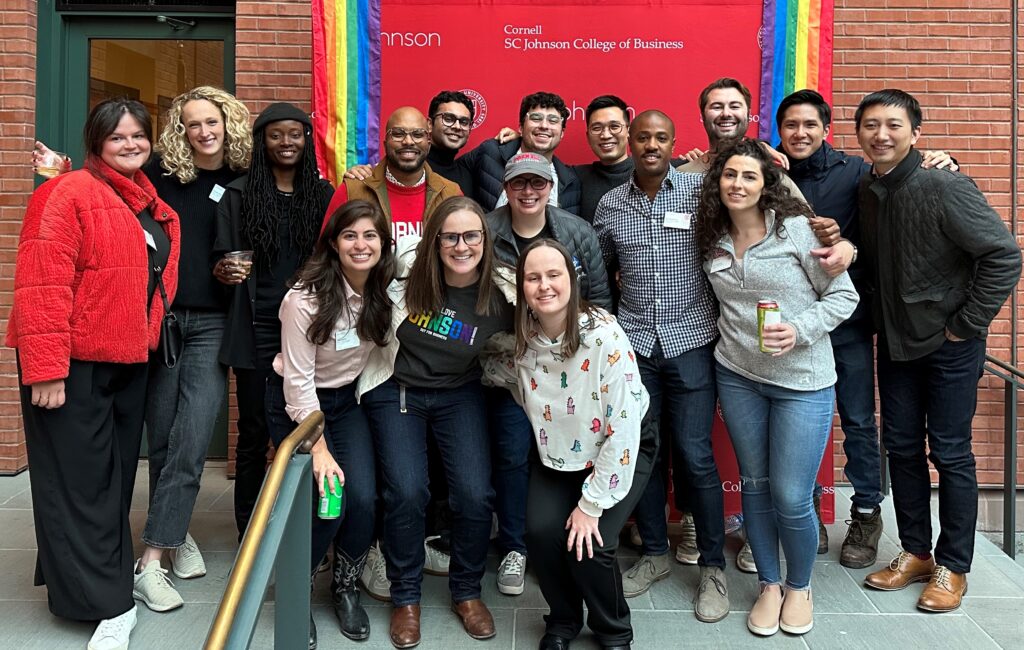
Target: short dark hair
pixel 606 101
pixel 542 100
pixel 805 96
pixel 446 96
pixel 104 118
pixel 891 97
pixel 718 84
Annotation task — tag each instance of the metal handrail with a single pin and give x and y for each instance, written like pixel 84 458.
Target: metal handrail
pixel 1013 379
pixel 301 441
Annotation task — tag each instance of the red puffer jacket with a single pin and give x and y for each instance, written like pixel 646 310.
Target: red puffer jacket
pixel 82 272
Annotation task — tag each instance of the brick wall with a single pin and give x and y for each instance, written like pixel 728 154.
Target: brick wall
pixel 17 124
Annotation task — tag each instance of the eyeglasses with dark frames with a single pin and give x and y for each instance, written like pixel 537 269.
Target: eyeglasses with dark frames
pixel 614 128
pixel 451 239
pixel 536 182
pixel 451 119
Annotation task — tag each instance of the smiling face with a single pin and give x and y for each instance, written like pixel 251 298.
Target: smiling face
pixel 741 183
pixel 886 136
pixel 204 128
pixel 547 286
pixel 408 153
pixel 456 135
pixel 358 247
pixel 529 201
pixel 651 138
pixel 801 131
pixel 127 149
pixel 726 114
pixel 461 261
pixel 609 147
pixel 542 130
pixel 285 141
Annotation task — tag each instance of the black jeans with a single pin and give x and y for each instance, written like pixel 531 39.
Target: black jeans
pixel 568 583
pixel 933 399
pixel 253 442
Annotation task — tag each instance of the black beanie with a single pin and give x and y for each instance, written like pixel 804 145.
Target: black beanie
pixel 279 112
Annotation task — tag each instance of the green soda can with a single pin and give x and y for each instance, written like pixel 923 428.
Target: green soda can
pixel 768 313
pixel 330 502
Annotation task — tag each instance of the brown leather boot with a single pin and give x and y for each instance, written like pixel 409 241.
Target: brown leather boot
pixel 405 626
pixel 860 548
pixel 944 592
pixel 904 569
pixel 476 618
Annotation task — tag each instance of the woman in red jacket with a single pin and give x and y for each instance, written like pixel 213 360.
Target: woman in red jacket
pixel 95 244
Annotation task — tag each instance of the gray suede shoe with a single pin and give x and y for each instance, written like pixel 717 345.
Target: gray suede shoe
pixel 647 570
pixel 712 599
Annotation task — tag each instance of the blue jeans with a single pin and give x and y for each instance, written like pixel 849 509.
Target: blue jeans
pixel 400 418
pixel 512 440
pixel 855 398
pixel 933 399
pixel 682 393
pixel 348 439
pixel 181 412
pixel 779 436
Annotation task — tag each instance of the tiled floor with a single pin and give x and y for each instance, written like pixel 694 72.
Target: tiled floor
pixel 846 615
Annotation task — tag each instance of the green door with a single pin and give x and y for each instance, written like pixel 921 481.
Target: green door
pixel 84 59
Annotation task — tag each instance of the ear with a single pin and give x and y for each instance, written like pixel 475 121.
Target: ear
pixel 828 127
pixel 914 135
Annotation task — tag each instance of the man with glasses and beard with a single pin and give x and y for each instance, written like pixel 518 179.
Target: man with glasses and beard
pixel 451 119
pixel 403 184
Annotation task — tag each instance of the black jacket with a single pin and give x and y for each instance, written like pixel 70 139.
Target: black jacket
pixel 238 349
pixel 458 170
pixel 938 257
pixel 830 181
pixel 572 232
pixel 489 169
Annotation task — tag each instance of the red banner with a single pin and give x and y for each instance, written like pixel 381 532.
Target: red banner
pixel 652 55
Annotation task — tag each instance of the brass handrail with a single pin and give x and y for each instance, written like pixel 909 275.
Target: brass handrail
pixel 301 440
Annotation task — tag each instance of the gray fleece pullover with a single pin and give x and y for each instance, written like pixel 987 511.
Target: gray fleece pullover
pixel 780 267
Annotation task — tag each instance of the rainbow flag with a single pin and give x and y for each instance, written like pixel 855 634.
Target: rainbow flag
pixel 796 53
pixel 346 83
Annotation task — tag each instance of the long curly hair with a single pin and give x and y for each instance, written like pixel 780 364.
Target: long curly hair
pixel 323 277
pixel 260 215
pixel 174 148
pixel 713 219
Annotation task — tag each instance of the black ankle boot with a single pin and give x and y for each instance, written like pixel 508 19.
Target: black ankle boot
pixel 352 618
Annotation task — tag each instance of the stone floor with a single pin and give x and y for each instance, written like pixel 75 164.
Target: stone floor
pixel 846 615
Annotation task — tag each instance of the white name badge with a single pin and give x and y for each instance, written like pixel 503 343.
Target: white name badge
pixel 721 263
pixel 529 359
pixel 216 193
pixel 149 239
pixel 678 220
pixel 346 339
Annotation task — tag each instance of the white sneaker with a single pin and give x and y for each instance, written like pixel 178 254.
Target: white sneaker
pixel 435 562
pixel 112 633
pixel 512 574
pixel 154 588
pixel 186 560
pixel 375 575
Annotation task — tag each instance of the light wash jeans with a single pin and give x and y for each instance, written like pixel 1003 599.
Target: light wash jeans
pixel 779 436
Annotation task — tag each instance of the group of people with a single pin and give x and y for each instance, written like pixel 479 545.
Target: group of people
pixel 499 336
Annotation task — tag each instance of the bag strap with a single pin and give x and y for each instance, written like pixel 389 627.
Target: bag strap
pixel 160 284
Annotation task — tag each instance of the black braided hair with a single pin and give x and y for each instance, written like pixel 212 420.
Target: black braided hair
pixel 260 216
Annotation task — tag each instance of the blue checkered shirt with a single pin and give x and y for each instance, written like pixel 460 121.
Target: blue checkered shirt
pixel 666 298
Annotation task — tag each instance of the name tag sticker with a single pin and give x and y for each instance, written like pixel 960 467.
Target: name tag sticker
pixel 216 193
pixel 149 239
pixel 346 339
pixel 678 220
pixel 721 263
pixel 529 359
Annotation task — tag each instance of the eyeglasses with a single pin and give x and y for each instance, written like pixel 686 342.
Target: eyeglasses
pixel 451 239
pixel 550 118
pixel 451 119
pixel 398 135
pixel 614 128
pixel 536 182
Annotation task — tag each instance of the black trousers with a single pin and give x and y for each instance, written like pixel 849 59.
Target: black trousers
pixel 565 582
pixel 83 457
pixel 253 442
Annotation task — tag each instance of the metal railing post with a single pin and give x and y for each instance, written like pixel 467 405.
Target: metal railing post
pixel 292 571
pixel 1010 468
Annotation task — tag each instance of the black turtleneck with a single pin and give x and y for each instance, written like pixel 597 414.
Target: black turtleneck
pixel 596 179
pixel 443 162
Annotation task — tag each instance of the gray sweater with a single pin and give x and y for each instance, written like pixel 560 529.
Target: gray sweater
pixel 780 267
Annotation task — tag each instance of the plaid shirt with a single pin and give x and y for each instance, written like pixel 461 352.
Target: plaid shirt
pixel 666 298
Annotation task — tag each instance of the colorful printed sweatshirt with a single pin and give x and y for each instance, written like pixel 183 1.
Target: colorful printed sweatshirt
pixel 585 410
